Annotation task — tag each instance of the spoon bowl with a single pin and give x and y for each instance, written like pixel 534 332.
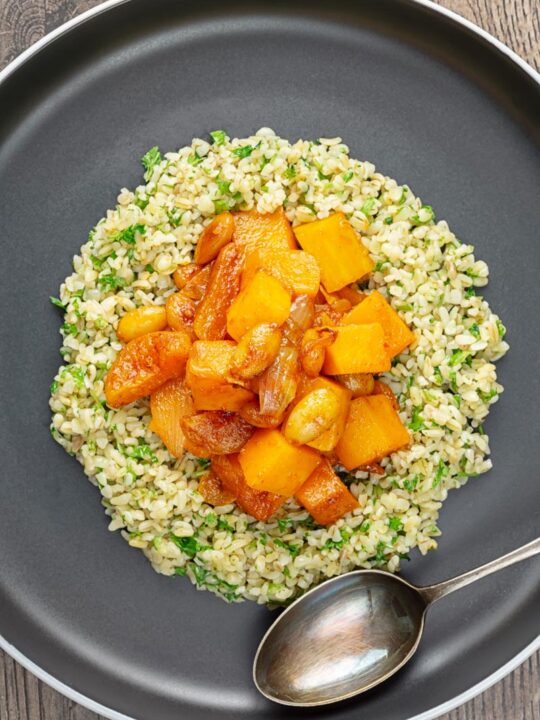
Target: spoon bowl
pixel 353 630
pixel 351 633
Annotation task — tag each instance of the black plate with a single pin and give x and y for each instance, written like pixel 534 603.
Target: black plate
pixel 433 104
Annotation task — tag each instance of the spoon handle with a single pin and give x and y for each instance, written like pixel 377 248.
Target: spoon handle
pixel 434 592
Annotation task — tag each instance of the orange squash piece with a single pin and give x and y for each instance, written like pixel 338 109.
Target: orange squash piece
pixel 141 321
pixel 357 349
pixel 258 503
pixel 213 490
pixel 169 404
pixel 325 496
pixel 180 313
pixel 338 250
pixel 376 309
pixel 214 236
pixel 329 439
pixel 211 316
pixel 207 375
pixel 144 364
pixel 296 270
pixel 263 300
pixel 218 432
pixel 253 229
pixel 271 463
pixel 373 430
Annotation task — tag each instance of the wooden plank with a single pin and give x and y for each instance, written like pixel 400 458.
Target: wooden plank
pixel 517 23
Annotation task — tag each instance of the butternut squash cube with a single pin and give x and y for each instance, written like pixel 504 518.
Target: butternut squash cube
pixel 207 375
pixel 296 270
pixel 328 440
pixel 273 464
pixel 325 496
pixel 376 309
pixel 337 248
pixel 373 430
pixel 258 503
pixel 263 300
pixel 357 349
pixel 253 229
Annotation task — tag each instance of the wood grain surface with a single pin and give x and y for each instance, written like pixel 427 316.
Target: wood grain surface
pixel 517 23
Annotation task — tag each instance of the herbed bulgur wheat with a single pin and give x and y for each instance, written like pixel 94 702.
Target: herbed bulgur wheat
pixel 445 383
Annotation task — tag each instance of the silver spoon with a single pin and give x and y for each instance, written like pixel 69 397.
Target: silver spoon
pixel 351 633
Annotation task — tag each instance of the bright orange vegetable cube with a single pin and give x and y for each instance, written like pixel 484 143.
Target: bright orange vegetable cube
pixel 357 349
pixel 373 430
pixel 144 364
pixel 325 496
pixel 263 300
pixel 273 464
pixel 258 503
pixel 376 309
pixel 329 439
pixel 207 375
pixel 254 229
pixel 337 248
pixel 296 270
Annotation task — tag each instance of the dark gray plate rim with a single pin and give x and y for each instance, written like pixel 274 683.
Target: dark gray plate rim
pixel 88 702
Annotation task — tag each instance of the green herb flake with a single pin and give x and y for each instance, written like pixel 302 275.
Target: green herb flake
pixel 396 524
pixel 388 220
pixel 405 307
pixel 284 524
pixel 453 381
pixel 174 217
pixel 149 161
pixel 141 203
pixel 338 544
pixel 457 357
pixel 437 374
pixel 379 265
pixel 128 235
pixel 292 549
pixel 363 528
pixel 111 282
pixel 180 571
pixel 57 303
pixel 290 172
pixel 481 430
pixel 500 328
pixel 195 159
pixel 222 524
pixel 368 206
pixel 380 556
pixel 142 452
pixel 417 421
pixel 70 329
pixel 424 215
pixel 218 137
pixel 487 396
pixel 190 546
pixel 244 151
pixel 440 473
pixel 53 387
pixel 470 292
pixel 348 176
pixel 76 372
pixel 410 483
pixel 475 330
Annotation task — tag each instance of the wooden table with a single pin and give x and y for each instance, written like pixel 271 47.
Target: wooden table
pixel 517 23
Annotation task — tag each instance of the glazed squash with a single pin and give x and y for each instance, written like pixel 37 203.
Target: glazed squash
pixel 357 349
pixel 325 496
pixel 253 230
pixel 263 300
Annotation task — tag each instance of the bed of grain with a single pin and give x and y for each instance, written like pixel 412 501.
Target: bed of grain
pixel 445 383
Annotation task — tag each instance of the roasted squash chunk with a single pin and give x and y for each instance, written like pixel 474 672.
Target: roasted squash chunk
pixel 325 496
pixel 141 321
pixel 272 463
pixel 213 491
pixel 381 388
pixel 338 250
pixel 207 375
pixel 258 503
pixel 223 285
pixel 214 236
pixel 169 404
pixel 328 440
pixel 253 229
pixel 373 430
pixel 296 270
pixel 263 300
pixel 144 364
pixel 376 309
pixel 357 349
pixel 218 432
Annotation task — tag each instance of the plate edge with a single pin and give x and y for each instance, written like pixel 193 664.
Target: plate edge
pixel 110 713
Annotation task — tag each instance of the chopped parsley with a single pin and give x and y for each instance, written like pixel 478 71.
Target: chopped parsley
pixel 338 544
pixel 406 307
pixel 487 396
pixel 410 483
pixel 475 330
pixel 54 386
pixel 440 473
pixel 180 571
pixel 363 528
pixel 128 234
pixel 470 292
pixel 111 282
pixel 437 374
pixel 424 215
pixel 368 206
pixel 290 172
pixel 57 303
pixel 395 523
pixel 76 372
pixel 142 452
pixel 195 159
pixel 292 549
pixel 222 524
pixel 380 557
pixel 218 137
pixel 348 176
pixel 388 220
pixel 174 217
pixel 284 524
pixel 190 546
pixel 417 422
pixel 149 161
pixel 141 202
pixel 244 151
pixel 457 357
pixel 501 329
pixel 69 329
